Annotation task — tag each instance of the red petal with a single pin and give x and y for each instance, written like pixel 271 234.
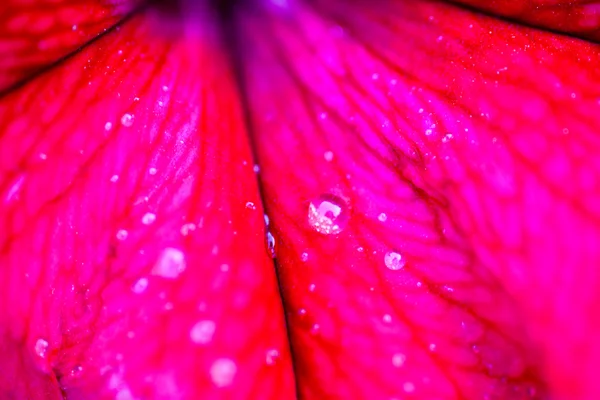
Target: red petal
pixel 36 33
pixel 577 17
pixel 133 254
pixel 464 144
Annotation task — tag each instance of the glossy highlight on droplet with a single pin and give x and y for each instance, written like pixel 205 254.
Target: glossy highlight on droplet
pixel 328 214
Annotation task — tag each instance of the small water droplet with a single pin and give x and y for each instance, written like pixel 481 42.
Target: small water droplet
pixel 152 171
pixel 272 356
pixel 394 261
pixel 398 360
pixel 170 263
pixel 140 285
pixel 302 312
pixel 224 267
pixel 41 346
pixel 187 228
pixel 108 126
pixel 127 120
pixel 408 387
pixel 148 218
pixel 202 332
pixel 315 329
pixel 122 234
pixel 447 138
pixel 250 205
pixel 304 257
pixel 76 371
pixel 432 347
pixel 222 372
pixel 382 217
pixel 114 178
pixel 387 318
pixel 328 214
pixel 271 244
pixel 328 155
pixel 266 220
pixel 165 88
pixel 256 169
pixel 312 287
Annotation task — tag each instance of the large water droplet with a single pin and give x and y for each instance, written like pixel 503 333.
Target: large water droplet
pixel 222 372
pixel 394 261
pixel 170 263
pixel 40 348
pixel 202 332
pixel 328 214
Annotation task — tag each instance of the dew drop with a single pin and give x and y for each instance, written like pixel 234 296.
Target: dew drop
pixel 202 332
pixel 328 155
pixel 447 138
pixel 140 285
pixel 271 244
pixel 127 120
pixel 328 214
pixel 304 257
pixel 148 218
pixel 170 263
pixel 122 234
pixel 272 356
pixel 394 261
pixel 387 318
pixel 398 360
pixel 108 126
pixel 315 329
pixel 222 372
pixel 152 171
pixel 76 371
pixel 312 287
pixel 382 217
pixel 408 387
pixel 187 228
pixel 114 178
pixel 256 169
pixel 40 348
pixel 250 205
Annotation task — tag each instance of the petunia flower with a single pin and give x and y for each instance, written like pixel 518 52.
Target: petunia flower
pixel 314 199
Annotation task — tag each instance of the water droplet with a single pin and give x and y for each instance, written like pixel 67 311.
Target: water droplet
pixel 224 267
pixel 140 285
pixel 41 346
pixel 152 171
pixel 271 356
pixel 250 205
pixel 271 244
pixel 387 318
pixel 127 120
pixel 202 332
pixel 382 217
pixel 328 214
pixel 222 372
pixel 312 287
pixel 114 178
pixel 170 264
pixel 187 228
pixel 304 257
pixel 408 387
pixel 122 234
pixel 76 371
pixel 447 138
pixel 302 312
pixel 315 329
pixel 432 347
pixel 108 126
pixel 398 360
pixel 328 155
pixel 148 218
pixel 256 169
pixel 394 261
pixel 266 220
pixel 165 88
